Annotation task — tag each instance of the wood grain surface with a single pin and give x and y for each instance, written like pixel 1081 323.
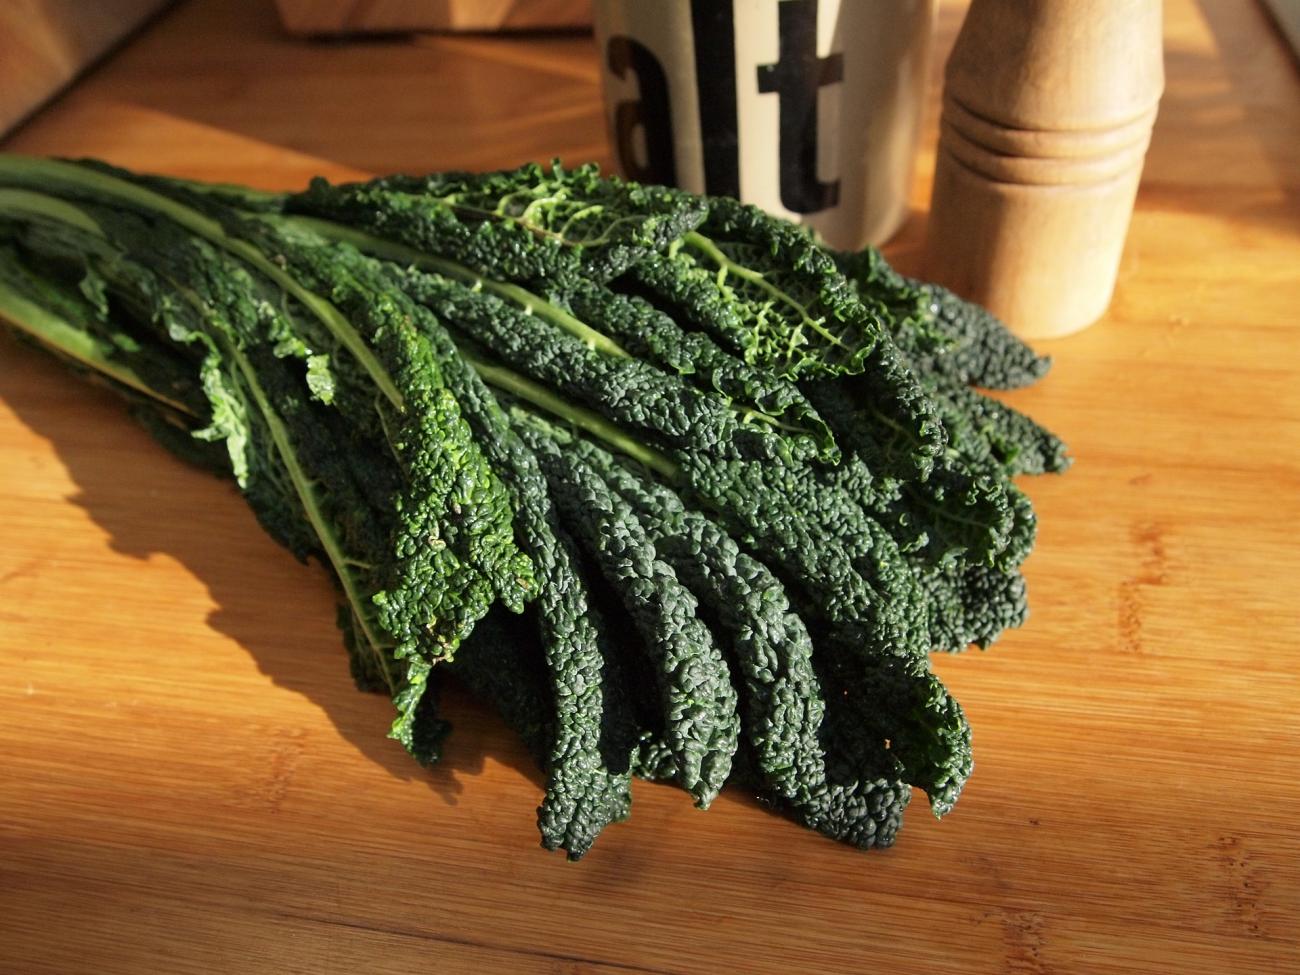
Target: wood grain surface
pixel 189 782
pixel 317 17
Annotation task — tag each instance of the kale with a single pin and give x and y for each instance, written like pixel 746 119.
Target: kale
pixel 760 395
pixel 532 224
pixel 632 393
pixel 590 749
pixel 986 433
pixel 972 603
pixel 766 290
pixel 416 594
pixel 679 492
pixel 938 332
pixel 781 693
pixel 961 509
pixel 845 567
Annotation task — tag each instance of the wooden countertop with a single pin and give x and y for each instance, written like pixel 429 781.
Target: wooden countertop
pixel 191 784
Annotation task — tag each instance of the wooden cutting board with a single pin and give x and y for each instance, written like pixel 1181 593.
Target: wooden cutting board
pixel 322 17
pixel 189 782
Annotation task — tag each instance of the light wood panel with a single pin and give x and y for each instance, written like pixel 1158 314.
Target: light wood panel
pixel 380 16
pixel 44 44
pixel 189 783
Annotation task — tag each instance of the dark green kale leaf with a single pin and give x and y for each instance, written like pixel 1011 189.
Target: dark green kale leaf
pixel 589 750
pixel 587 743
pixel 957 511
pixel 454 551
pixel 985 433
pixel 891 718
pixel 698 699
pixel 59 316
pixel 630 392
pixel 972 604
pixel 941 334
pixel 764 289
pixel 761 396
pixel 842 563
pixel 783 706
pixel 920 735
pixel 228 302
pixel 532 224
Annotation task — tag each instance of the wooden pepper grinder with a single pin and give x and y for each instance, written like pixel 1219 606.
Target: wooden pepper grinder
pixel 1047 112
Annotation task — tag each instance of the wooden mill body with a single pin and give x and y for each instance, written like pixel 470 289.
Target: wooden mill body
pixel 1047 113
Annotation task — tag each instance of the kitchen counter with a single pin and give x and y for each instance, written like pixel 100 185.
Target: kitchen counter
pixel 191 783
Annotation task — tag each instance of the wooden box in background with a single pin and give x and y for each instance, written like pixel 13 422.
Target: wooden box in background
pixel 44 44
pixel 390 16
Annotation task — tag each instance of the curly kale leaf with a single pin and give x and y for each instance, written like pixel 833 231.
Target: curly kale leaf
pixel 230 307
pixel 630 392
pixel 844 566
pixel 957 511
pixel 587 745
pixel 760 396
pixel 588 754
pixel 940 333
pixel 783 707
pixel 698 699
pixel 986 433
pixel 453 552
pixel 765 289
pixel 972 604
pixel 532 224
pixel 891 717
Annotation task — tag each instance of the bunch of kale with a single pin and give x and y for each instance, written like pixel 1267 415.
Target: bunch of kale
pixel 683 494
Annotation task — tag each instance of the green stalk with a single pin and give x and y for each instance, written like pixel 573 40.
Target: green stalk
pixel 305 490
pixel 401 254
pixel 229 190
pixel 525 299
pixel 62 336
pixel 580 417
pixel 29 204
pixel 78 180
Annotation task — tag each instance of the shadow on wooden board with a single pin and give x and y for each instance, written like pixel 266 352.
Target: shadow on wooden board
pixel 124 482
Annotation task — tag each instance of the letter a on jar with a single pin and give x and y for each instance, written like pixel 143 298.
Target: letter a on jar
pixel 807 108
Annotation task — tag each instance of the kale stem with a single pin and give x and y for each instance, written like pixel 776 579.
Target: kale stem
pixel 401 254
pixel 29 204
pixel 726 265
pixel 584 419
pixel 306 495
pixel 61 335
pixel 80 181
